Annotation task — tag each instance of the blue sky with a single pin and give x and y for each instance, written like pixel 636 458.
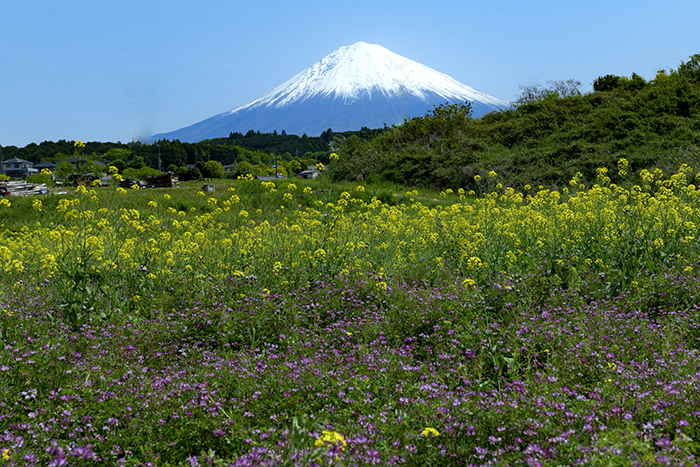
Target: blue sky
pixel 121 70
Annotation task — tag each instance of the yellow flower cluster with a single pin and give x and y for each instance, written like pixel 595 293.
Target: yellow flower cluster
pixel 478 236
pixel 330 437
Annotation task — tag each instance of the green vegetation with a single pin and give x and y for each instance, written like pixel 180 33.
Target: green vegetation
pixel 310 323
pixel 546 140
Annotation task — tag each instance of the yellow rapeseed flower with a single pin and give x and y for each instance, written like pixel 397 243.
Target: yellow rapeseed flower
pixel 330 437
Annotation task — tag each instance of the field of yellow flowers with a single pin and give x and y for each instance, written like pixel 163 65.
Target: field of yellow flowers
pixel 303 323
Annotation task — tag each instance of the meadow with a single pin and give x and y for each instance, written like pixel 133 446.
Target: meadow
pixel 318 323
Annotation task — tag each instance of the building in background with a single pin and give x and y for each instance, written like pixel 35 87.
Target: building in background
pixel 18 168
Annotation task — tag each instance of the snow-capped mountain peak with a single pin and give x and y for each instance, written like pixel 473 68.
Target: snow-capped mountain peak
pixel 361 85
pixel 361 70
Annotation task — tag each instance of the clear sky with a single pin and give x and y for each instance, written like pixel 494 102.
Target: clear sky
pixel 121 70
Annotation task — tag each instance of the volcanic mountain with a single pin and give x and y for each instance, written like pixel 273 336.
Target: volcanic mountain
pixel 362 85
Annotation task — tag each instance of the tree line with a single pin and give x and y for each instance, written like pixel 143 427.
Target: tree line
pixel 253 152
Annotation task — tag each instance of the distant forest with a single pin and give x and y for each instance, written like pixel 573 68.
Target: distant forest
pixel 252 147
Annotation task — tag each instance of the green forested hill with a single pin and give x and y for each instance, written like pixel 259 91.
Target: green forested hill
pixel 546 140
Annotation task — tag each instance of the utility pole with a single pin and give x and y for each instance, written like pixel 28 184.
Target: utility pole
pixel 276 162
pixel 1 171
pixel 160 163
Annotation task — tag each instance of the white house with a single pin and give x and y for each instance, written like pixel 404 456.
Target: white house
pixel 310 172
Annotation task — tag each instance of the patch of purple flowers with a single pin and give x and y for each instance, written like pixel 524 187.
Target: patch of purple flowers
pixel 576 376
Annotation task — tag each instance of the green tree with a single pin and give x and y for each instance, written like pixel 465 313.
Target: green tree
pixel 182 173
pixel 115 154
pixel 141 174
pixel 194 174
pixel 119 164
pixel 691 68
pixel 63 169
pixel 606 83
pixel 137 163
pixel 213 169
pixel 245 168
pixel 635 82
pixel 556 88
pixel 294 166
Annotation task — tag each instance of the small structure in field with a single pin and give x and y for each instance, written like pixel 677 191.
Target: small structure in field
pixel 167 180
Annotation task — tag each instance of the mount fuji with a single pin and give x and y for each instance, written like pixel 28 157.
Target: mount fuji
pixel 361 85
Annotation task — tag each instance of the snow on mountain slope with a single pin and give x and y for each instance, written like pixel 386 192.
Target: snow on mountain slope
pixel 354 70
pixel 355 86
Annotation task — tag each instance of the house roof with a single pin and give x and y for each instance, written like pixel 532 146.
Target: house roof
pixel 42 165
pixel 15 160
